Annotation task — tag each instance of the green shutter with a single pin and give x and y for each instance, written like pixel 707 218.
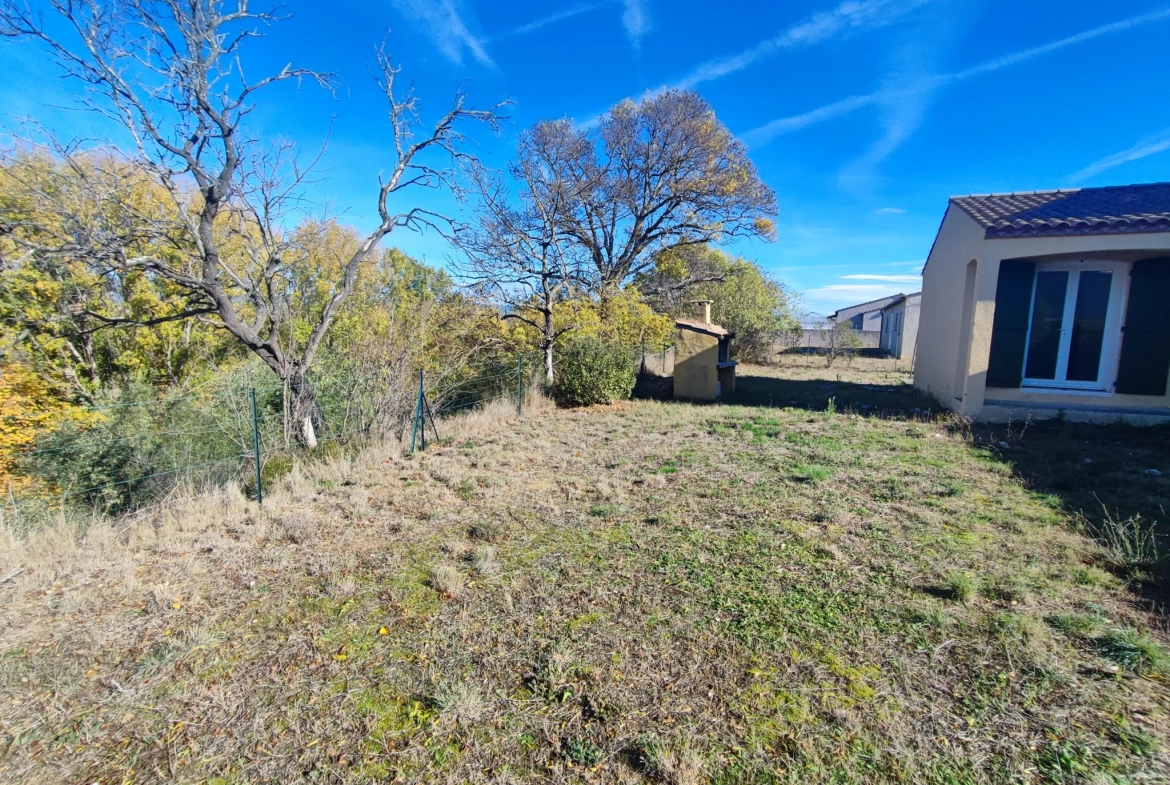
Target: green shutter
pixel 1145 341
pixel 1009 332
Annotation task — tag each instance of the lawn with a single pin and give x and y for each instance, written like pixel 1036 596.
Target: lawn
pixel 820 580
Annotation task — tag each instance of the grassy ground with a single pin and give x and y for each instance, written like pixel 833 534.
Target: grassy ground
pixel 646 592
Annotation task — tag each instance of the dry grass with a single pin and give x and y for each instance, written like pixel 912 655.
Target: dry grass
pixel 646 592
pixel 858 370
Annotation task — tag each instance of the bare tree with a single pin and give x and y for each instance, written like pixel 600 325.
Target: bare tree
pixel 170 72
pixel 517 252
pixel 663 172
pixel 842 342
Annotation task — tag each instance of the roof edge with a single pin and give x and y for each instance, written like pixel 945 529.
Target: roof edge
pixel 716 330
pixel 1046 191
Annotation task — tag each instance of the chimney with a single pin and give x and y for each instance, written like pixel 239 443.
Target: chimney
pixel 706 309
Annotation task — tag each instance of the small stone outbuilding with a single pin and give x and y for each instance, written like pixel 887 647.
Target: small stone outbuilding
pixel 703 368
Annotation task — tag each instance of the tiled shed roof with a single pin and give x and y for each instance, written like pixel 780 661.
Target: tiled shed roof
pixel 1114 210
pixel 703 327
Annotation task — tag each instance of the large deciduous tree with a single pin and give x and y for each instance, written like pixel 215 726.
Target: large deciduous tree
pixel 170 72
pixel 746 299
pixel 518 251
pixel 659 173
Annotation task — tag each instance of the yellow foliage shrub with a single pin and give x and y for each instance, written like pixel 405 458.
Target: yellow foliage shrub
pixel 27 409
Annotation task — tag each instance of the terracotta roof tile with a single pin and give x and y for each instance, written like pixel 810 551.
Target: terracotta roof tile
pixel 1113 210
pixel 703 327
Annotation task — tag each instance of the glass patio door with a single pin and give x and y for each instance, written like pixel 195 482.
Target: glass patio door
pixel 1074 327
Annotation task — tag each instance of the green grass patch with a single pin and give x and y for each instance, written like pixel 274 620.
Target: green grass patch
pixel 1134 651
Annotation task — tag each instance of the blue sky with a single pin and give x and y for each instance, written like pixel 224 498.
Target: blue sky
pixel 863 115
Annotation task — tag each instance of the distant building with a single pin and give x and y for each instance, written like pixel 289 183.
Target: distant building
pixel 900 326
pixel 866 317
pixel 888 323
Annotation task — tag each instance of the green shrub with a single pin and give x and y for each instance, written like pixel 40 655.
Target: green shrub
pixel 591 371
pixel 135 448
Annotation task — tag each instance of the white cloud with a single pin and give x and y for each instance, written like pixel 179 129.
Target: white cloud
pixel 886 278
pixel 545 21
pixel 912 95
pixel 860 288
pixel 902 112
pixel 890 211
pixel 849 294
pixel 636 20
pixel 849 16
pixel 1151 145
pixel 444 24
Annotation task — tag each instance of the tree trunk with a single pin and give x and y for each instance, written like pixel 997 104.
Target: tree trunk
pixel 549 337
pixel 307 418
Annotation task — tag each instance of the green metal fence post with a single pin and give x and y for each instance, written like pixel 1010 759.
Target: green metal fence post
pixel 429 413
pixel 422 413
pixel 520 385
pixel 256 447
pixel 417 414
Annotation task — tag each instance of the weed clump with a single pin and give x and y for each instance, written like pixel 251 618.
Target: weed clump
pixel 1137 741
pixel 811 473
pixel 962 587
pixel 1134 651
pixel 1077 625
pixel 483 561
pixel 581 751
pixel 298 527
pixel 461 703
pixel 1009 588
pixel 653 758
pixel 1132 548
pixel 486 531
pixel 447 580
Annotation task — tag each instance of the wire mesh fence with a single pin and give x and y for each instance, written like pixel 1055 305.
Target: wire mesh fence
pixel 656 360
pixel 142 447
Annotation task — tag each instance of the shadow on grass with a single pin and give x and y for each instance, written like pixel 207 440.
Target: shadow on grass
pixel 1104 474
pixel 889 400
pixel 815 394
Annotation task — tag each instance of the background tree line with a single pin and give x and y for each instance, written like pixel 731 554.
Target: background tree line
pixel 193 256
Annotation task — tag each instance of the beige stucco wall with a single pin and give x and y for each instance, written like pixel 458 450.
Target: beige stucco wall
pixel 696 356
pixel 889 339
pixel 959 241
pixel 913 311
pixel 907 312
pixel 940 328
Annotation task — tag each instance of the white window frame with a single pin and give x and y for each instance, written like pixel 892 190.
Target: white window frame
pixel 1114 319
